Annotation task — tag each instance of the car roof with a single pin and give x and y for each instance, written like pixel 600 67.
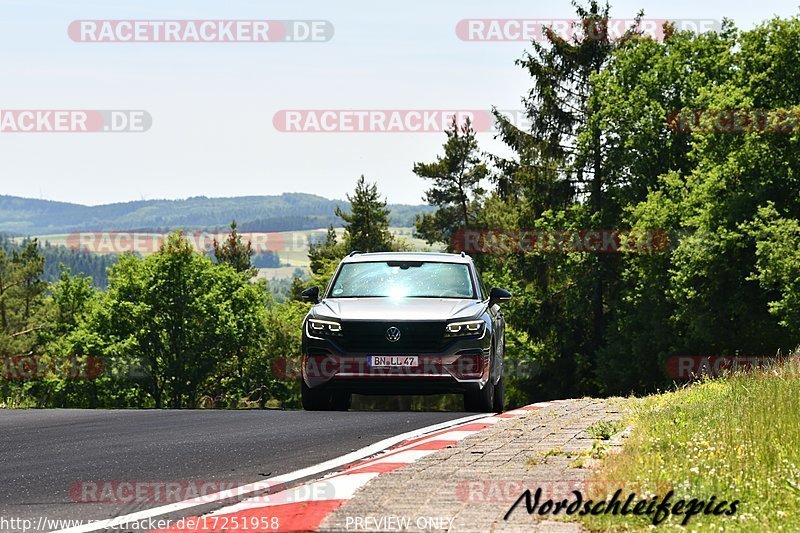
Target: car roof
pixel 435 257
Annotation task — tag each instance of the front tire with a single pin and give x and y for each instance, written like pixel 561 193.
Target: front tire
pixel 499 395
pixel 316 399
pixel 481 401
pixel 341 400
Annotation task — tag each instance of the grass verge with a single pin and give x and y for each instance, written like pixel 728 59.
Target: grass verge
pixel 733 438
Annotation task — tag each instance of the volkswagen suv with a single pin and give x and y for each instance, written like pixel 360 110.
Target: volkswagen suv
pixel 404 323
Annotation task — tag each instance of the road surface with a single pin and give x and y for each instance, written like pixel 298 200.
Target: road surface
pixel 51 458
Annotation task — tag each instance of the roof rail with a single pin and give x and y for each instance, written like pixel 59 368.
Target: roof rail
pixel 354 252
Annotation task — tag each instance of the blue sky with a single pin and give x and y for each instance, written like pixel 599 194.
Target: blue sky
pixel 212 103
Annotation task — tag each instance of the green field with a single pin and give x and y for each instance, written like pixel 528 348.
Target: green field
pixel 291 246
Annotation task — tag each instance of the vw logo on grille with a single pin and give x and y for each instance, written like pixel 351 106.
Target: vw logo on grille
pixel 393 334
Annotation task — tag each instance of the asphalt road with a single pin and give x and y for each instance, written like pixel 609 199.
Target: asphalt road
pixel 46 456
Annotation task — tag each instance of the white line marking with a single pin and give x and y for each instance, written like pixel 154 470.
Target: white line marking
pixel 266 483
pixel 453 434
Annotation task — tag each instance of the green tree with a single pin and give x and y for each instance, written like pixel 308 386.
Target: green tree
pixel 730 198
pixel 80 378
pixel 323 253
pixel 72 297
pixel 234 252
pixel 778 266
pixel 366 226
pixel 21 289
pixel 8 280
pixel 456 190
pixel 643 84
pixel 556 179
pixel 178 315
pixel 324 256
pixel 23 317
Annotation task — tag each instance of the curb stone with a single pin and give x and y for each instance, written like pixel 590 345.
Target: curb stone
pixel 465 485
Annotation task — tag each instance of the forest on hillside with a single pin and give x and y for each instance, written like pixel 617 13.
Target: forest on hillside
pixel 286 212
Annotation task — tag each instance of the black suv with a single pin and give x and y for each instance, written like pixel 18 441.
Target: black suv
pixel 404 323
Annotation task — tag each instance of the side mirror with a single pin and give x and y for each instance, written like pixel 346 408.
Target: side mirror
pixel 497 296
pixel 311 294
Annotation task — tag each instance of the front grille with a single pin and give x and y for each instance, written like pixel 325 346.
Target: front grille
pixel 371 337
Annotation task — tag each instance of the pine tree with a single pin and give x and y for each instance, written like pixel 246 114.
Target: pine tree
pixel 456 186
pixel 8 280
pixel 366 227
pixel 233 251
pixel 560 178
pixel 321 254
pixel 31 267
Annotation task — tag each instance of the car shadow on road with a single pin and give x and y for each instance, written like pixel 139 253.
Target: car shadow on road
pixel 432 402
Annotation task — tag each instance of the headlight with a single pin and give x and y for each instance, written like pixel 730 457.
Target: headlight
pixel 461 329
pixel 327 328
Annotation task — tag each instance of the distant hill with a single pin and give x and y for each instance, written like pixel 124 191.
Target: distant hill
pixel 287 212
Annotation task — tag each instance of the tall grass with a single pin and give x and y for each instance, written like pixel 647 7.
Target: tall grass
pixel 737 438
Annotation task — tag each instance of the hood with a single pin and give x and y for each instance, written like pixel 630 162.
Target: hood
pixel 409 309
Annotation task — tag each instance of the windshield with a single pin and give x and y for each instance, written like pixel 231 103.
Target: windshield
pixel 403 279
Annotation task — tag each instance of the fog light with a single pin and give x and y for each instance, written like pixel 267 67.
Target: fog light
pixel 467 366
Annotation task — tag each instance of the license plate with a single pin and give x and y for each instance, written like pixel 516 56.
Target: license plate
pixel 394 360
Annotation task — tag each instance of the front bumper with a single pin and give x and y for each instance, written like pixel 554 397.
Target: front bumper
pixel 463 365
